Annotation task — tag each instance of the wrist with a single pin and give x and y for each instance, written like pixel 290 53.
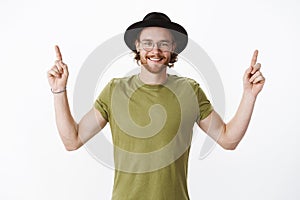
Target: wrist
pixel 249 97
pixel 58 91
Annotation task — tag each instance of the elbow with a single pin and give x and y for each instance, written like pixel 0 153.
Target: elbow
pixel 71 147
pixel 229 146
pixel 228 143
pixel 70 140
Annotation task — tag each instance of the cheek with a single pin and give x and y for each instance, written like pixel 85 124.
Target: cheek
pixel 168 55
pixel 143 56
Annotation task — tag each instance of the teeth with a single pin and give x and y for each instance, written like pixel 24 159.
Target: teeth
pixel 155 59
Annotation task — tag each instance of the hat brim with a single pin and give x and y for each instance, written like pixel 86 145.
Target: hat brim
pixel 178 32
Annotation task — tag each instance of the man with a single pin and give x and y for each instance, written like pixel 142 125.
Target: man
pixel 151 114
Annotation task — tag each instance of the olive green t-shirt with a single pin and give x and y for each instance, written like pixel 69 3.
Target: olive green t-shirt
pixel 152 128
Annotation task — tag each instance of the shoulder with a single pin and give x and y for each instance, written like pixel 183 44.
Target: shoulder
pixel 179 80
pixel 121 81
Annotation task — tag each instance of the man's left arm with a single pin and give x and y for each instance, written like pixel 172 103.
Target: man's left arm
pixel 229 135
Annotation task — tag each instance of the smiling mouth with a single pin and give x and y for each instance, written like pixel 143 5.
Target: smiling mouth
pixel 155 59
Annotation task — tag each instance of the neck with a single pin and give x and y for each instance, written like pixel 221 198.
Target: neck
pixel 150 78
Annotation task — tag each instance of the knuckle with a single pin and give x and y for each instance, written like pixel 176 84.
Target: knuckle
pixel 259 73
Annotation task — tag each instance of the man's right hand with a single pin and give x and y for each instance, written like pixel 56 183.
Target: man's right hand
pixel 58 74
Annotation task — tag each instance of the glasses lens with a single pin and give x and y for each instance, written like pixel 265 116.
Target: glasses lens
pixel 164 46
pixel 147 45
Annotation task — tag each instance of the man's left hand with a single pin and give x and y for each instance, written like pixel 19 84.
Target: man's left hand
pixel 253 78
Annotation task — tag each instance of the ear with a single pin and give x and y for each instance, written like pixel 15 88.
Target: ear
pixel 137 45
pixel 174 46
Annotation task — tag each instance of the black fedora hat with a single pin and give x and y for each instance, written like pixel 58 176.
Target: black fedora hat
pixel 157 19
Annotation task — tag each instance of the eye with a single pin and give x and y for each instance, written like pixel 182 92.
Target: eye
pixel 164 44
pixel 147 43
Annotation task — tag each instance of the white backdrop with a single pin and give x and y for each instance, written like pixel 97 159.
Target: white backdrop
pixel 34 163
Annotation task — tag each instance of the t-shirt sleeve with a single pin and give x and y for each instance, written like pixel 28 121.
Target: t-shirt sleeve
pixel 102 103
pixel 205 107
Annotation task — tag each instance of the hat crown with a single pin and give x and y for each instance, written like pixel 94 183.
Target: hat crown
pixel 157 16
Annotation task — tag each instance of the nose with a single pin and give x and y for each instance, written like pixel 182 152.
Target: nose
pixel 155 48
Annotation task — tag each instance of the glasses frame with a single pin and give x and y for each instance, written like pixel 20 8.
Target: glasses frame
pixel 158 44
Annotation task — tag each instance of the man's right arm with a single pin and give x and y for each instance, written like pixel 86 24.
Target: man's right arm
pixel 73 134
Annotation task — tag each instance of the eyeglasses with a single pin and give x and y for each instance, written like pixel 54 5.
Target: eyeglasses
pixel 148 45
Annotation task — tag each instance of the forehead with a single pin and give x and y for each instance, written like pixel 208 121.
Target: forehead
pixel 156 34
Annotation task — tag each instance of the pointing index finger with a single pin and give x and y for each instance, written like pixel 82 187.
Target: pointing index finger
pixel 254 58
pixel 58 54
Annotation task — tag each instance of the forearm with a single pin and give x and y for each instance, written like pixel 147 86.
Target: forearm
pixel 66 125
pixel 236 128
